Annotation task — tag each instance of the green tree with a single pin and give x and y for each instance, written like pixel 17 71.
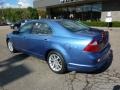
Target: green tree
pixel 33 13
pixel 15 14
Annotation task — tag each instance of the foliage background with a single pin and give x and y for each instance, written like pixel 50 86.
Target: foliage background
pixel 101 24
pixel 15 14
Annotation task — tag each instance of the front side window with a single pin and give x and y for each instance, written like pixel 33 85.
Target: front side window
pixel 26 28
pixel 41 28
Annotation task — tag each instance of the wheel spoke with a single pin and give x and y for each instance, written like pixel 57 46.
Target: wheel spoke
pixel 60 66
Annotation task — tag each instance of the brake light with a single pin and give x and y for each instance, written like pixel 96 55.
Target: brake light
pixel 92 47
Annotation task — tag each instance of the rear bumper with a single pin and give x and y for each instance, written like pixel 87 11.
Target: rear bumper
pixel 105 60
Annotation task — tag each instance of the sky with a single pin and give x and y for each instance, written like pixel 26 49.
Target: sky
pixel 16 3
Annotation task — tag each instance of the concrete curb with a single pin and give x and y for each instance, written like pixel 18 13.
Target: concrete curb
pixel 106 28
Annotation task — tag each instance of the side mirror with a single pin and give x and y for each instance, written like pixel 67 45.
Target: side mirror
pixel 16 28
pixel 15 32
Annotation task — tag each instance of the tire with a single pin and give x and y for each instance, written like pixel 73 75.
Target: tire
pixel 11 47
pixel 56 62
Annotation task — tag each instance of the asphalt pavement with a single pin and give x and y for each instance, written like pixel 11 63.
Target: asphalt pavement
pixel 22 72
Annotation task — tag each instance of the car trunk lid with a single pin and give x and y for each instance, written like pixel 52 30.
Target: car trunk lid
pixel 100 36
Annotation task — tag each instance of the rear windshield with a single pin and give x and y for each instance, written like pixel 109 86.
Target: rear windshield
pixel 73 26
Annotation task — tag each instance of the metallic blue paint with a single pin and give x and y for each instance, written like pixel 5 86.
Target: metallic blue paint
pixel 70 45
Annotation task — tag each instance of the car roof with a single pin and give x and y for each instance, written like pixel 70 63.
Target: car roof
pixel 58 29
pixel 47 20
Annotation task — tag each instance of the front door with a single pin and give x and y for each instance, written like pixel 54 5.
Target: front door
pixel 36 42
pixel 20 40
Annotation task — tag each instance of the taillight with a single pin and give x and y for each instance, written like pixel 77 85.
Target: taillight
pixel 92 47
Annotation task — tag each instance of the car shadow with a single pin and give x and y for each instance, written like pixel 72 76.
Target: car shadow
pixel 10 70
pixel 117 87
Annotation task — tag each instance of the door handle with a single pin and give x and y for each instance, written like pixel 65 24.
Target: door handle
pixel 45 39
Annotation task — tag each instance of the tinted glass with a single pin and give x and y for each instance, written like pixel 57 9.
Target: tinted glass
pixel 26 28
pixel 73 26
pixel 41 28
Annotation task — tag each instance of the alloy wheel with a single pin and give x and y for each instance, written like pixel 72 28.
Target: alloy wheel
pixel 10 46
pixel 55 62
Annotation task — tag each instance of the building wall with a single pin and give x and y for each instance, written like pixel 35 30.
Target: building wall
pixel 115 15
pixel 44 3
pixel 112 6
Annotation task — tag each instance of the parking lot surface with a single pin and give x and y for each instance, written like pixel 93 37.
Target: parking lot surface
pixel 22 72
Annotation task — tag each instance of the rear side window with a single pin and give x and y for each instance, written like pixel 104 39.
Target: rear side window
pixel 73 26
pixel 41 28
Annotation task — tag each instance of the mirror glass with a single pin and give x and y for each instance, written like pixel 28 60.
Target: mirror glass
pixel 15 32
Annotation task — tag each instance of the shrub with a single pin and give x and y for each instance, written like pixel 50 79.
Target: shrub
pixel 116 24
pixel 101 24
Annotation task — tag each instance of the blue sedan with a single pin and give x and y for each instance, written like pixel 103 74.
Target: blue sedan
pixel 66 45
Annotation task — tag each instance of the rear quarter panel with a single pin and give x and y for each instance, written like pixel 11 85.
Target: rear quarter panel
pixel 70 48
